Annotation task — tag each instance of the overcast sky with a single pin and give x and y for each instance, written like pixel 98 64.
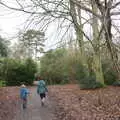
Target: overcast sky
pixel 11 22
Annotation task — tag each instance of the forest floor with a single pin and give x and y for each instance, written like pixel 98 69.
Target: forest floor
pixel 8 102
pixel 68 102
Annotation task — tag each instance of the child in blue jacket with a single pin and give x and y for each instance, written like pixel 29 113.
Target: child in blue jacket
pixel 23 95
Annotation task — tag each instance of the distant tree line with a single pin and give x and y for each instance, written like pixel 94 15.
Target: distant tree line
pixel 62 66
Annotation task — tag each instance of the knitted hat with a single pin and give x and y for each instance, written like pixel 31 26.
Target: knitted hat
pixel 23 85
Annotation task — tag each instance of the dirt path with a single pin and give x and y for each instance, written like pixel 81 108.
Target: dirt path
pixel 34 110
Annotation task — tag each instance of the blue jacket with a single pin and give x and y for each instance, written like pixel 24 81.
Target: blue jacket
pixel 23 93
pixel 41 88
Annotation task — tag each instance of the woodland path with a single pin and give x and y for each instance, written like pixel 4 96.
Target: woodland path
pixel 34 109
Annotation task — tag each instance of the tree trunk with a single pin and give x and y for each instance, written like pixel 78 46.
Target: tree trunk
pixel 105 11
pixel 110 44
pixel 97 66
pixel 79 34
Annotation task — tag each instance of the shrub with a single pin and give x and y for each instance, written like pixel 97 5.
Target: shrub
pixel 86 81
pixel 116 83
pixel 30 70
pixel 52 67
pixel 16 72
pixel 110 75
pixel 2 83
pixel 89 83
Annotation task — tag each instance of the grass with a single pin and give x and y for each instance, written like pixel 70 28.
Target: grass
pixel 2 83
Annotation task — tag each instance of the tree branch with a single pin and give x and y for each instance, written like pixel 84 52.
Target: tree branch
pixel 114 6
pixel 85 8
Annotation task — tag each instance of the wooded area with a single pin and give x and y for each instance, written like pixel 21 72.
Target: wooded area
pixel 92 57
pixel 82 64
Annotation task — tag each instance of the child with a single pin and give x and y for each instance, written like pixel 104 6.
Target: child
pixel 41 90
pixel 23 95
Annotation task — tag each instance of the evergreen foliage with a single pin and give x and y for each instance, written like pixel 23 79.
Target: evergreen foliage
pixel 52 67
pixel 3 47
pixel 15 72
pixel 109 73
pixel 85 81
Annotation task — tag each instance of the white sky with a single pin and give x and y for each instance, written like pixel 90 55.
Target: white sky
pixel 11 22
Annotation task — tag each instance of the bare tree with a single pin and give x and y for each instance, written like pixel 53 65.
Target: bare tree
pixel 105 9
pixel 47 11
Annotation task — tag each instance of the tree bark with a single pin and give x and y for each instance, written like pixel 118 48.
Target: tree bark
pixel 106 15
pixel 79 34
pixel 110 44
pixel 97 66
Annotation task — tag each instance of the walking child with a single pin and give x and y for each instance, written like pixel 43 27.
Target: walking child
pixel 23 95
pixel 41 90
